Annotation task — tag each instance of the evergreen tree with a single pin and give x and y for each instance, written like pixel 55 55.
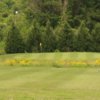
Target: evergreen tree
pixel 14 42
pixel 66 39
pixel 34 39
pixel 83 38
pixel 96 38
pixel 49 39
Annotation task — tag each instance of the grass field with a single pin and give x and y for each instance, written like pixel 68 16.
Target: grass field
pixel 49 76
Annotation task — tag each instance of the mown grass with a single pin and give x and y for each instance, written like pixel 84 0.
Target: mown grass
pixel 47 82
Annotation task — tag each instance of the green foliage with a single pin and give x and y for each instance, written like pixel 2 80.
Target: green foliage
pixel 14 41
pixel 83 38
pixel 55 35
pixel 52 7
pixel 1 35
pixel 66 38
pixel 2 44
pixel 49 39
pixel 34 39
pixel 96 38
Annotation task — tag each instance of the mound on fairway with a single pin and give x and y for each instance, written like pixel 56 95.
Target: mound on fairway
pixel 50 76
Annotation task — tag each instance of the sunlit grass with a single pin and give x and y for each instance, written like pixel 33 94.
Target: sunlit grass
pixel 50 77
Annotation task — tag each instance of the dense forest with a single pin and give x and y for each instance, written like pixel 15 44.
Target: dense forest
pixel 49 26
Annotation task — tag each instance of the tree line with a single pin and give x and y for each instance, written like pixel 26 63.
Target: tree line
pixel 45 39
pixel 50 25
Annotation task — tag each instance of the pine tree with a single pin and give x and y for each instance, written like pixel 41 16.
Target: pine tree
pixel 96 38
pixel 83 38
pixel 49 39
pixel 14 42
pixel 34 39
pixel 66 39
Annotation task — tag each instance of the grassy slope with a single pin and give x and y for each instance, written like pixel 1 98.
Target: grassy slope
pixel 48 82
